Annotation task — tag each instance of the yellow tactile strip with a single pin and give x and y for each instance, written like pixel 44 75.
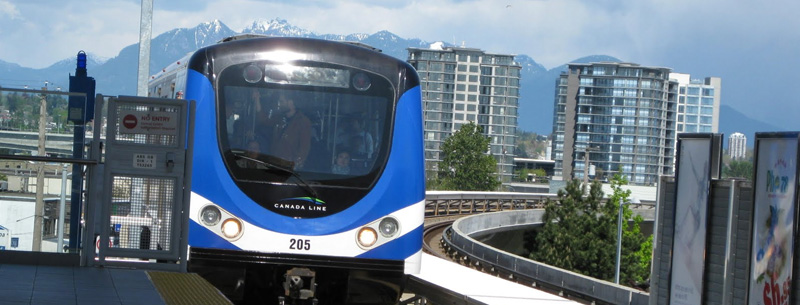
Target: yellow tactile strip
pixel 185 288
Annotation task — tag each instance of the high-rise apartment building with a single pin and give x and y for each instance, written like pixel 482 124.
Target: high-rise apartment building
pixel 737 146
pixel 698 103
pixel 461 85
pixel 622 115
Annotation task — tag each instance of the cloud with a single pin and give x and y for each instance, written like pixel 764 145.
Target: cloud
pixel 9 10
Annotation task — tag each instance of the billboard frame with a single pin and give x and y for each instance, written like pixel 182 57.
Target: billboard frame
pixel 711 171
pixel 760 141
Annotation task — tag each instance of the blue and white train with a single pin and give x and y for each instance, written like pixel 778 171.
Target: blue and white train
pixel 308 179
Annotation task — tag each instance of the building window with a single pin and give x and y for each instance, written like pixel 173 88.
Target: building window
pixel 628 121
pixel 599 71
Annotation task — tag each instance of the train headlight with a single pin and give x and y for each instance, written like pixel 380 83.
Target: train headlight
pixel 231 228
pixel 210 215
pixel 367 237
pixel 388 227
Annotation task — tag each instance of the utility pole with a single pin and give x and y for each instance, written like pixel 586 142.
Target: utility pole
pixel 39 207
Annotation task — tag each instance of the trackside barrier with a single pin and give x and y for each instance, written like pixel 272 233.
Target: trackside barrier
pixel 446 203
pixel 524 270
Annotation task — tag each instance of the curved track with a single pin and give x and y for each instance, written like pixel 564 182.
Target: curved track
pixel 432 238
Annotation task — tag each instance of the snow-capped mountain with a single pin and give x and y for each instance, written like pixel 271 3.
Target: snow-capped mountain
pixel 117 76
pixel 387 42
pixel 277 27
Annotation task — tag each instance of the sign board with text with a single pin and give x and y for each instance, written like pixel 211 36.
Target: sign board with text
pixel 148 122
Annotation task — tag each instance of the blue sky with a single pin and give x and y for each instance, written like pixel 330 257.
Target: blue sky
pixel 747 43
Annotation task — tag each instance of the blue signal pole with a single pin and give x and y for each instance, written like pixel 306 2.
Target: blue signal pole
pixel 80 111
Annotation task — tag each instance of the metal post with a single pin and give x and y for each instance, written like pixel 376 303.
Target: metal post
pixel 145 33
pixel 62 209
pixel 619 242
pixel 77 189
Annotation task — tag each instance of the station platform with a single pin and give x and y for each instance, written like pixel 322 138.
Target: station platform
pixel 480 288
pixel 46 285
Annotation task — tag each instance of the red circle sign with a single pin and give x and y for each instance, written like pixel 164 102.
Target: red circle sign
pixel 130 121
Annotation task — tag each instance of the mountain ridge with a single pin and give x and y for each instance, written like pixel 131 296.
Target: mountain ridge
pixel 117 75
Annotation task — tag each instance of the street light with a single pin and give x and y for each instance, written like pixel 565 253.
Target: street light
pixel 619 237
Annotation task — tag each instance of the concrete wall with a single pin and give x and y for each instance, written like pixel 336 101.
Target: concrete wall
pixel 17 217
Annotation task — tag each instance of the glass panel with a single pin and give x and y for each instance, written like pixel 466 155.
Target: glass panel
pixel 22 125
pixel 327 134
pixel 22 213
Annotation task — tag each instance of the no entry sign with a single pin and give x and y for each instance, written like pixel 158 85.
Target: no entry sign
pixel 148 122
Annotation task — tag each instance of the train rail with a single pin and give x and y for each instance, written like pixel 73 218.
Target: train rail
pixel 432 238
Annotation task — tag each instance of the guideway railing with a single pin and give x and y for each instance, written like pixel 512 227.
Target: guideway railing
pixel 447 203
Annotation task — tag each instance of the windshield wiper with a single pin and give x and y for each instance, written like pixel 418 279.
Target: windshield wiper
pixel 271 166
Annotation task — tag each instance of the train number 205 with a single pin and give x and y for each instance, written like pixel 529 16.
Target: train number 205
pixel 300 244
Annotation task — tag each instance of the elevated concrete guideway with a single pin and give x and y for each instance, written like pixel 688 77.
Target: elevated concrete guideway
pixel 470 251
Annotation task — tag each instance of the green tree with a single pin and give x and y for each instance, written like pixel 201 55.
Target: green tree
pixel 738 169
pixel 637 249
pixel 569 230
pixel 465 166
pixel 580 234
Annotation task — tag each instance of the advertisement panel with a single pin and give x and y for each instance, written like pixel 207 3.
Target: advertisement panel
pixel 773 219
pixel 691 213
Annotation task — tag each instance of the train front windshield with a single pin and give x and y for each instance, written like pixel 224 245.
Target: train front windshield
pixel 328 124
